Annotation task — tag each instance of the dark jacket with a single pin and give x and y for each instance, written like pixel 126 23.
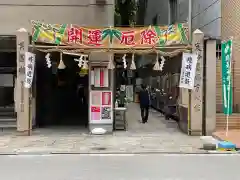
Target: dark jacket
pixel 144 98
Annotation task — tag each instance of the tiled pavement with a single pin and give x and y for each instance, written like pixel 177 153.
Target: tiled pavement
pixel 158 135
pixel 232 136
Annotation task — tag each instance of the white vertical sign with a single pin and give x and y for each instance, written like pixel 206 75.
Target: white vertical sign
pixel 92 77
pixel 105 78
pixel 29 69
pixel 188 71
pixel 101 77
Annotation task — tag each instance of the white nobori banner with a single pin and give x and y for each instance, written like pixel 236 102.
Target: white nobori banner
pixel 29 69
pixel 188 70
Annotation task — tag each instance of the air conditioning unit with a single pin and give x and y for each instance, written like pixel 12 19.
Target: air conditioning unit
pixel 101 2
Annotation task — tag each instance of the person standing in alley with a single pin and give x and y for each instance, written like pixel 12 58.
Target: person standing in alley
pixel 144 98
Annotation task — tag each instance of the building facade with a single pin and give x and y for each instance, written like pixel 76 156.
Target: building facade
pixel 206 16
pixel 217 19
pixel 152 12
pixel 230 28
pixel 15 15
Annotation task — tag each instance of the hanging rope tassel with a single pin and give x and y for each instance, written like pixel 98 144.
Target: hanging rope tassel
pixel 111 63
pixel 156 66
pixel 133 66
pixel 61 64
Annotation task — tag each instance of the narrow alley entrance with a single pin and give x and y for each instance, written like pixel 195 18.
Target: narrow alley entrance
pixel 157 124
pixel 163 90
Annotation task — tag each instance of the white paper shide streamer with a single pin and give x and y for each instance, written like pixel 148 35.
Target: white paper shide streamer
pixel 133 66
pixel 162 63
pixel 48 60
pixel 124 61
pixel 29 69
pixel 80 61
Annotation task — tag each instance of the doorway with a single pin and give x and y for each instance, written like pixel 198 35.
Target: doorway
pixel 7 83
pixel 62 94
pixel 8 72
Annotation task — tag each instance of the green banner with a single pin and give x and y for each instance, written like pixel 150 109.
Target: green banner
pixel 227 76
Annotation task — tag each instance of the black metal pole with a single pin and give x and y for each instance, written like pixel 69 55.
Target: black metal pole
pixel 204 133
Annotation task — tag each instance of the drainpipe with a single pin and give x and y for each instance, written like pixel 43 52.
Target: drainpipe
pixel 190 19
pixel 190 40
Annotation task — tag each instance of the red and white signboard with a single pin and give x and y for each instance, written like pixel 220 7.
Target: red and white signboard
pixel 95 113
pixel 101 110
pixel 100 77
pixel 106 98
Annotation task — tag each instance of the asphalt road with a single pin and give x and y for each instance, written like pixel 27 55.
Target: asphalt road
pixel 120 167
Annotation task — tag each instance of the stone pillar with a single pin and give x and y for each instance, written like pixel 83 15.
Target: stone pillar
pixel 24 124
pixel 197 92
pixel 101 16
pixel 210 96
pixel 183 106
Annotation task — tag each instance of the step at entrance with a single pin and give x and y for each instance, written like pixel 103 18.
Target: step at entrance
pixel 8 122
pixel 8 118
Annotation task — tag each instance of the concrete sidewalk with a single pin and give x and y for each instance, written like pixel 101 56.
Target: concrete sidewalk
pixel 157 136
pixel 82 143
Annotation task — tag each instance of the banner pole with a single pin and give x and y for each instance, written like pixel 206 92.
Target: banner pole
pixel 189 111
pixel 227 125
pixel 228 95
pixel 190 20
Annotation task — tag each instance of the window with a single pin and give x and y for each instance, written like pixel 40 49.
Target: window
pixel 155 20
pixel 173 11
pixel 218 51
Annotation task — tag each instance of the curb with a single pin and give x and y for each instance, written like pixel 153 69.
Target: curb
pixel 217 138
pixel 23 153
pixel 149 153
pixel 117 153
pixel 8 154
pixel 220 139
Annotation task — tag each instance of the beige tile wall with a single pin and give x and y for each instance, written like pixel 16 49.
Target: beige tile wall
pixel 230 27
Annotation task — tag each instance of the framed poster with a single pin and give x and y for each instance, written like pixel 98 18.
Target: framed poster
pixel 95 113
pixel 96 98
pixel 101 109
pixel 106 113
pixel 100 77
pixel 106 98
